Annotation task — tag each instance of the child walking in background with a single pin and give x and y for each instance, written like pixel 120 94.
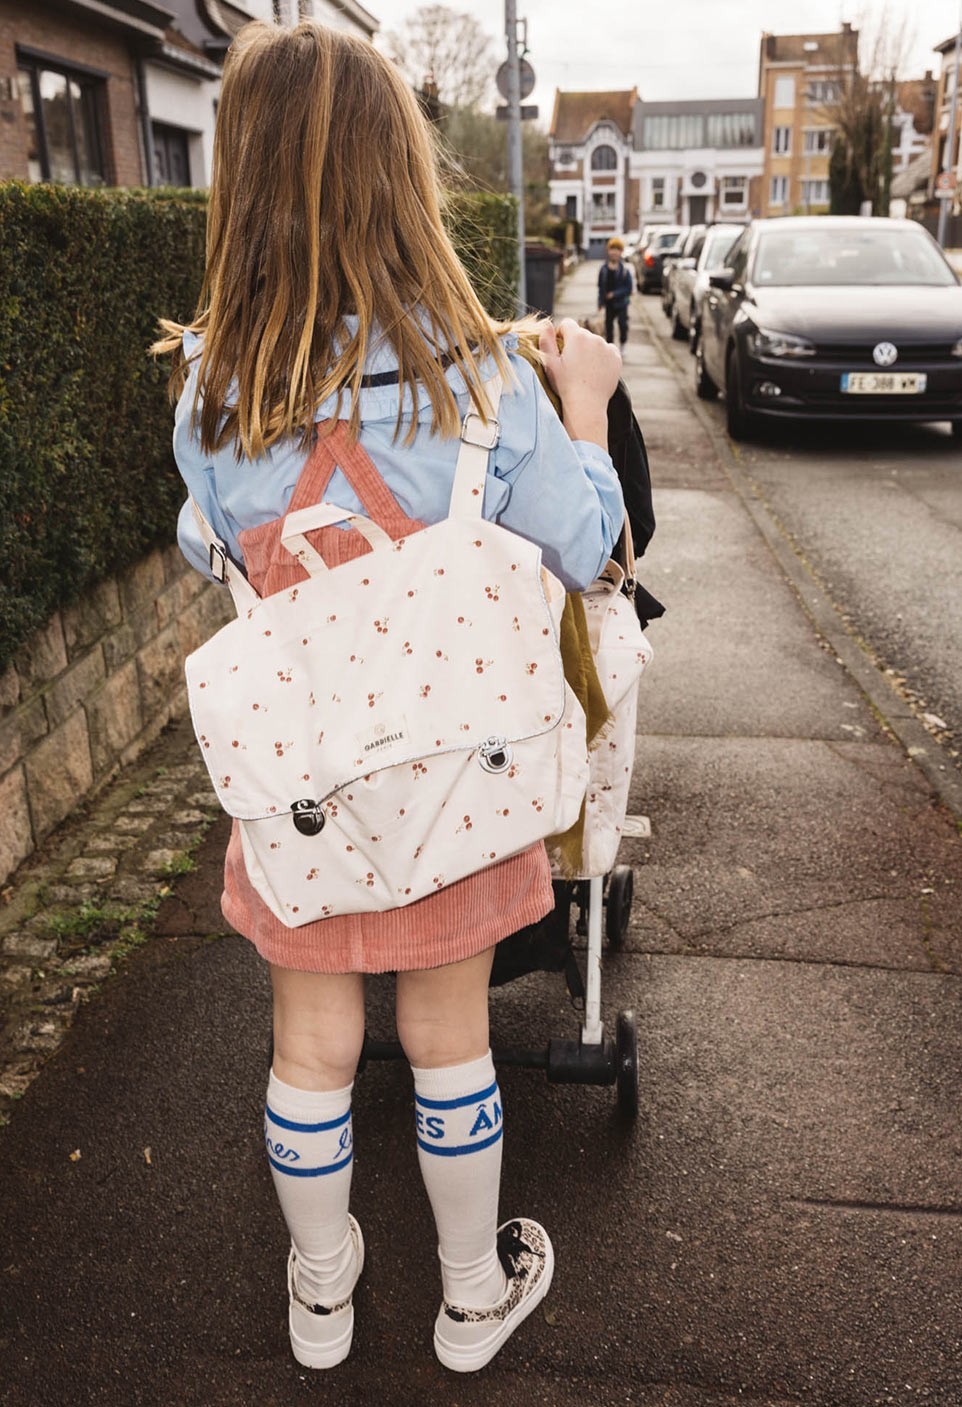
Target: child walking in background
pixel 336 349
pixel 614 291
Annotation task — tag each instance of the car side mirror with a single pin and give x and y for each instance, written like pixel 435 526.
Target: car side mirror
pixel 724 279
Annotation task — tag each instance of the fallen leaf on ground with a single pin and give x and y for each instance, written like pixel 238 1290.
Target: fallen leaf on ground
pixel 147 1157
pixel 75 1156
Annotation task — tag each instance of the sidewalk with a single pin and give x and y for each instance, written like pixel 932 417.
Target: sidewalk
pixel 784 1223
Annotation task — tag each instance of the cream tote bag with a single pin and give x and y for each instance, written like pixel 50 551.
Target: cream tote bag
pixel 399 721
pixel 621 652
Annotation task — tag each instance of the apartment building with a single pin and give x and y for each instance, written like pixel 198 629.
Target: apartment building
pixel 694 162
pixel 124 92
pixel 800 79
pixel 589 180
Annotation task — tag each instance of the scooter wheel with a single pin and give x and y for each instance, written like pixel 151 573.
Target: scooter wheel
pixel 621 884
pixel 626 1056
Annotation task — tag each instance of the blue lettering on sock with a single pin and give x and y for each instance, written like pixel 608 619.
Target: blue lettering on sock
pixel 482 1121
pixel 345 1143
pixel 279 1151
pixel 435 1127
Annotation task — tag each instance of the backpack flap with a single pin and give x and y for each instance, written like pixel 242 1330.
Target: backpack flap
pixel 444 641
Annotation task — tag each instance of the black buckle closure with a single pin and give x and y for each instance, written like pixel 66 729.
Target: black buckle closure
pixel 217 558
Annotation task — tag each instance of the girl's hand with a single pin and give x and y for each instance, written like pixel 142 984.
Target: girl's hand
pixel 583 370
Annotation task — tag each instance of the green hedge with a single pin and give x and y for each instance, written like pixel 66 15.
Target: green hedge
pixel 87 482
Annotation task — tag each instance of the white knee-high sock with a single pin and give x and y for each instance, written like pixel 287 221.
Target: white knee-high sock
pixel 311 1154
pixel 459 1127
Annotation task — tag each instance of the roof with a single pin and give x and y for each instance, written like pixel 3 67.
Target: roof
pixel 915 176
pixel 840 47
pixel 945 45
pixel 575 114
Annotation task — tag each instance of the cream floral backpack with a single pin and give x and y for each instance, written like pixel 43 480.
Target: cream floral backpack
pixel 399 721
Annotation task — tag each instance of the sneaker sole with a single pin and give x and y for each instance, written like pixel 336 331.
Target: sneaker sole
pixel 469 1360
pixel 312 1355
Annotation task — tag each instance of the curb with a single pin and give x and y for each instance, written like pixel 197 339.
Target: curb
pixel 895 712
pixel 82 903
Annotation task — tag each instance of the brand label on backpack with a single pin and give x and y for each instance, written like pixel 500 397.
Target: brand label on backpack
pixel 382 738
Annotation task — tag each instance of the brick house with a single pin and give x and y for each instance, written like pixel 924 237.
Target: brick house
pixel 800 78
pixel 943 111
pixel 124 92
pixel 589 179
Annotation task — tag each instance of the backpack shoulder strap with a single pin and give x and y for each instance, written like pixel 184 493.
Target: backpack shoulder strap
pixel 479 436
pixel 222 566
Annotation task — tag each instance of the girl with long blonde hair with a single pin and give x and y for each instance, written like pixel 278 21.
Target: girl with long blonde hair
pixel 337 346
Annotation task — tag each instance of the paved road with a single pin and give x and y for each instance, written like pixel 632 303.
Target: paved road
pixel 877 514
pixel 783 1225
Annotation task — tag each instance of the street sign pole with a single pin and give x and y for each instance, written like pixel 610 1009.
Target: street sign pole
pixel 515 165
pixel 949 159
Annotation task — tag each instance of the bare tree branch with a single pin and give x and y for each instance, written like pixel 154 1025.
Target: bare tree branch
pixel 448 47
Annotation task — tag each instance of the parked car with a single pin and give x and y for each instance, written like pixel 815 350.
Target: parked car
pixel 689 280
pixel 632 243
pixel 648 260
pixel 833 318
pixel 687 248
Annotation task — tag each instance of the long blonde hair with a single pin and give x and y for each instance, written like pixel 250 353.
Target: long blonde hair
pixel 324 201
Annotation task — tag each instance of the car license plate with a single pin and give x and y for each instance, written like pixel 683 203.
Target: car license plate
pixel 883 383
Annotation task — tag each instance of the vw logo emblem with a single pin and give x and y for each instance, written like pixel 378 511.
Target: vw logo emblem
pixel 885 354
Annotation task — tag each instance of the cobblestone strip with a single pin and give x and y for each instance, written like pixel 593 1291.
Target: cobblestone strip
pixel 76 908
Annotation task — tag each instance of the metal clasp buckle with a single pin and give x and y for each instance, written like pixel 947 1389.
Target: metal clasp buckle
pixel 489 434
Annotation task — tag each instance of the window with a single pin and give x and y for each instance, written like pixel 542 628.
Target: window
pixel 737 259
pixel 62 109
pixel 571 207
pixel 565 157
pixel 602 207
pixel 818 140
pixel 731 129
pixel 824 91
pixel 815 193
pixel 779 192
pixel 734 192
pixel 784 91
pixel 657 193
pixel 171 156
pixel 673 131
pixel 781 140
pixel 604 159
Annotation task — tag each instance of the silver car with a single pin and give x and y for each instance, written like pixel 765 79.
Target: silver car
pixel 689 280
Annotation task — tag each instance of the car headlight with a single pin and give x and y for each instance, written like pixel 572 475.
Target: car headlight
pixel 957 349
pixel 778 344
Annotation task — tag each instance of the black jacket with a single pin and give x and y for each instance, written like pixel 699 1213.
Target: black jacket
pixel 626 445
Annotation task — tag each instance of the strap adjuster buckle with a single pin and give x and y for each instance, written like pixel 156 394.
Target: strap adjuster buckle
pixel 217 558
pixel 486 436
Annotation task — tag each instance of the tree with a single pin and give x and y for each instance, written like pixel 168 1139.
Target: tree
pixel 475 157
pixel 860 168
pixel 449 47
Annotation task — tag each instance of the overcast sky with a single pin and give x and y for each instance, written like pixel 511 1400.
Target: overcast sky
pixel 680 48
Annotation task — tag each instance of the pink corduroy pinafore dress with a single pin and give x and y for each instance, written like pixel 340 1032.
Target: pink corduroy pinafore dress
pixel 459 921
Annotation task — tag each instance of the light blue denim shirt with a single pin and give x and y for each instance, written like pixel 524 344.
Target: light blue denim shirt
pixel 560 493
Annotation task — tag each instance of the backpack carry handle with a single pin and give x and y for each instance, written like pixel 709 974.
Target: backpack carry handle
pixel 322 515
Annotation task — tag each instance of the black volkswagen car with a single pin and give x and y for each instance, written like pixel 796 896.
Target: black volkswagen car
pixel 833 318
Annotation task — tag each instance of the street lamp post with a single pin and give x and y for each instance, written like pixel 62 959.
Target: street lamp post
pixel 515 166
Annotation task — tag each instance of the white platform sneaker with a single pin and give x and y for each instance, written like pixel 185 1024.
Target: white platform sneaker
pixel 321 1334
pixel 467 1339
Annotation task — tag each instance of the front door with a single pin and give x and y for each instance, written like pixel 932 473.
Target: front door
pixel 697 209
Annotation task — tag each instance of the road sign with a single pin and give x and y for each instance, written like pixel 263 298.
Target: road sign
pixel 528 113
pixel 527 78
pixel 945 184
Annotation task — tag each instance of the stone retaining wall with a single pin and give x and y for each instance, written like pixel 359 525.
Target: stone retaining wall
pixel 87 694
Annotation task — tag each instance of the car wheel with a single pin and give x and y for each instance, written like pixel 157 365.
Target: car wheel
pixel 705 388
pixel 678 331
pixel 740 422
pixel 665 304
pixel 692 331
